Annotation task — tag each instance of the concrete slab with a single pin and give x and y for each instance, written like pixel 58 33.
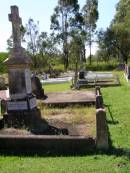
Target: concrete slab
pixel 70 97
pixel 37 144
pixel 98 76
pixel 56 80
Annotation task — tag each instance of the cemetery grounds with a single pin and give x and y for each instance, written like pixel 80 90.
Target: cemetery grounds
pixel 117 104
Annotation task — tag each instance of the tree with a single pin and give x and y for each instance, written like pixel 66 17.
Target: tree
pixel 60 22
pixel 90 13
pixel 122 11
pixel 47 47
pixel 3 57
pixel 77 29
pixel 31 38
pixel 116 41
pixel 76 52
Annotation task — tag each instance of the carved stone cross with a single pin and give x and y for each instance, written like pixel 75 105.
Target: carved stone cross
pixel 16 25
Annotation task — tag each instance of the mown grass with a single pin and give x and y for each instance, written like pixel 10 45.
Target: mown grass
pixel 117 100
pixel 57 87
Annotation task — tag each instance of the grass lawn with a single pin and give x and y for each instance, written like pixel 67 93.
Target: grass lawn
pixel 117 101
pixel 57 87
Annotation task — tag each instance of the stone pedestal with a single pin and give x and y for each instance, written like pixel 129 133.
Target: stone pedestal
pixel 20 89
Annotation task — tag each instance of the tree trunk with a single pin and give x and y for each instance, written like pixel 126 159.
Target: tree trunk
pixel 90 55
pixel 76 74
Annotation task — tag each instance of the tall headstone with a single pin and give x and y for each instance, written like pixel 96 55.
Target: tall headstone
pixel 20 89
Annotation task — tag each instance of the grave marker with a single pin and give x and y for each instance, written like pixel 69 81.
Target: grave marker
pixel 20 89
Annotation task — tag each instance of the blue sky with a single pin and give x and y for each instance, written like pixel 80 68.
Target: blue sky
pixel 41 11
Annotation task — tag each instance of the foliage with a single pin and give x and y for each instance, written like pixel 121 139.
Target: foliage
pixel 76 49
pixel 60 23
pixel 31 36
pixel 3 57
pixel 102 66
pixel 115 40
pixel 90 15
pixel 41 46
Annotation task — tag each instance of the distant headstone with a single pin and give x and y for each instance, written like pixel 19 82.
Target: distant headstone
pixel 82 74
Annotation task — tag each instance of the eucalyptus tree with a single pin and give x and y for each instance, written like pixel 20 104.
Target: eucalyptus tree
pixel 47 48
pixel 116 39
pixel 116 42
pixel 31 39
pixel 90 14
pixel 31 36
pixel 76 52
pixel 60 24
pixel 77 32
pixel 122 11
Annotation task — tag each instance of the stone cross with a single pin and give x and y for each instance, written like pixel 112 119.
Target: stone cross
pixel 16 25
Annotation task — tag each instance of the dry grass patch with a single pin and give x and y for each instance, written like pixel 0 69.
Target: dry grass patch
pixel 80 120
pixel 73 114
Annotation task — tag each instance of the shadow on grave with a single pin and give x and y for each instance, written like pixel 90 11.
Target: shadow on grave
pixel 31 121
pixel 59 150
pixel 45 140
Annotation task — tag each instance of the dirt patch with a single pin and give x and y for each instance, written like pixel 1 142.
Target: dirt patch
pixel 74 129
pixel 73 121
pixel 13 131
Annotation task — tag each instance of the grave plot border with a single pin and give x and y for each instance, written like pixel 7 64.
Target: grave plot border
pixel 61 144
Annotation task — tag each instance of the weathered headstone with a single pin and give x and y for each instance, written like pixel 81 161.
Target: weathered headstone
pixel 20 89
pixel 101 130
pixel 37 89
pixel 82 74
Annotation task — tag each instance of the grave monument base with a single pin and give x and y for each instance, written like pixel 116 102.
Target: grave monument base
pixel 27 119
pixel 25 104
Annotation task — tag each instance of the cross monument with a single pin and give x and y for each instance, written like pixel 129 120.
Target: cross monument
pixel 16 26
pixel 20 88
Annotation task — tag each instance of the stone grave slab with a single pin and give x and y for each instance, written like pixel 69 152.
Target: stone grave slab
pixel 71 97
pixel 98 79
pixel 56 80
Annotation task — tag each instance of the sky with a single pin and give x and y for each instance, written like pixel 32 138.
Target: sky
pixel 41 10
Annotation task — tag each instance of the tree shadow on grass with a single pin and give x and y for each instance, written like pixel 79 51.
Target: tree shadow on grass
pixel 112 120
